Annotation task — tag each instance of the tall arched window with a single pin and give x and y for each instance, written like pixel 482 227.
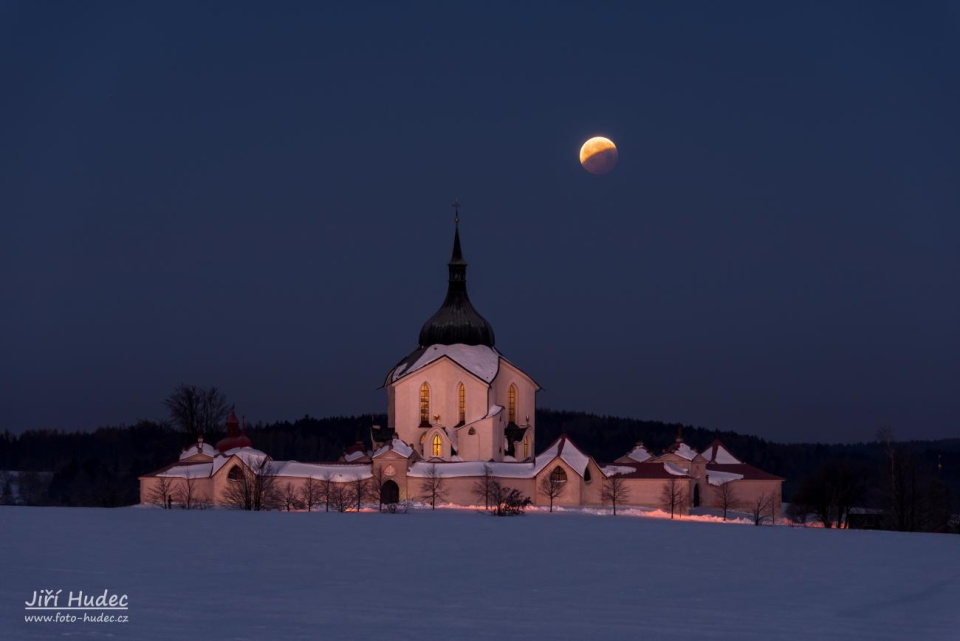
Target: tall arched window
pixel 424 405
pixel 437 445
pixel 512 404
pixel 526 447
pixel 462 403
pixel 558 475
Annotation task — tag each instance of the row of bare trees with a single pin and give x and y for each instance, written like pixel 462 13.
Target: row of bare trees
pixel 257 488
pixel 762 508
pixel 178 492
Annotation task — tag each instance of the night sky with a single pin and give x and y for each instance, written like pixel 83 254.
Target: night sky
pixel 257 196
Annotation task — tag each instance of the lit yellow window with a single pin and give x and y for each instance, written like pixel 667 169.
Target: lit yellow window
pixel 558 475
pixel 424 405
pixel 437 445
pixel 526 447
pixel 512 404
pixel 462 403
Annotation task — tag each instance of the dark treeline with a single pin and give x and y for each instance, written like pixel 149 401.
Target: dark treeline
pixel 608 437
pixel 100 468
pixel 915 484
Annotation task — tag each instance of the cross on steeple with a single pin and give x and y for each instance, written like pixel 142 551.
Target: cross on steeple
pixel 456 211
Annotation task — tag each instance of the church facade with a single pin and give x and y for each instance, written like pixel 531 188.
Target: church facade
pixel 459 411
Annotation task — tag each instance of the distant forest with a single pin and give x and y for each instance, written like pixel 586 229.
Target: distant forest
pixel 100 468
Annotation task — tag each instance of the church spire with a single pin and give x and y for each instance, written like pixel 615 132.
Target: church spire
pixel 457 257
pixel 457 321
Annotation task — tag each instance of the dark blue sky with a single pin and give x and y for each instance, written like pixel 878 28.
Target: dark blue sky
pixel 257 196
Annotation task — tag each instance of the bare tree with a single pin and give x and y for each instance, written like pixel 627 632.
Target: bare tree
pixel 311 493
pixel 289 496
pixel 725 498
pixel 326 490
pixel 375 490
pixel 253 488
pixel 359 491
pixel 433 486
pixel 188 496
pixel 759 508
pixel 674 497
pixel 903 486
pixel 340 497
pixel 483 486
pixel 163 492
pixel 197 410
pixel 831 491
pixel 614 491
pixel 551 486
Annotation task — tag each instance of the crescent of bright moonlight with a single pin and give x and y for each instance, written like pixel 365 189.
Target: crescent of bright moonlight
pixel 599 155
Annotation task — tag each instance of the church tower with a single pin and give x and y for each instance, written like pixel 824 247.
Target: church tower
pixel 455 397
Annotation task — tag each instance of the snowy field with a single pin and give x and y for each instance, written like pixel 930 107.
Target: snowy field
pixel 456 574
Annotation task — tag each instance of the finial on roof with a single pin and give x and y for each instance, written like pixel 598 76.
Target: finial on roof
pixel 456 211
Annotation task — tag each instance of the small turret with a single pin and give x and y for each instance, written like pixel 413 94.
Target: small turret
pixel 235 437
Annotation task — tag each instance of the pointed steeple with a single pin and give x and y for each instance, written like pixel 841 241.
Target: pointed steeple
pixel 457 257
pixel 457 321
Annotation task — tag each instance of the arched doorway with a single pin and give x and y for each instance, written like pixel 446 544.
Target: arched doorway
pixel 696 495
pixel 389 493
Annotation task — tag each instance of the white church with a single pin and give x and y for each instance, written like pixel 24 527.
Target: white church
pixel 457 409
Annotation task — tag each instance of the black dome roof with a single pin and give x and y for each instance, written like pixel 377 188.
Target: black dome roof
pixel 457 321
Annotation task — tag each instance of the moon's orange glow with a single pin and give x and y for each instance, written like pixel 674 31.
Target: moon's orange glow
pixel 599 155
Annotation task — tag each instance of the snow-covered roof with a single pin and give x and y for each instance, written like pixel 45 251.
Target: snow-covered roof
pixel 649 470
pixel 397 446
pixel 188 471
pixel 198 448
pixel 349 457
pixel 674 469
pixel 251 457
pixel 682 450
pixel 338 473
pixel 717 453
pixel 564 448
pixel 715 477
pixel 639 453
pixel 746 471
pixel 614 470
pixel 480 360
pixel 421 469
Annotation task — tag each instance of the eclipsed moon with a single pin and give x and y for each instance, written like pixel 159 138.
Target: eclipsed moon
pixel 599 155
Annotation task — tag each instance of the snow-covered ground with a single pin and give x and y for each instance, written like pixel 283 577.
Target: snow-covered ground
pixel 457 574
